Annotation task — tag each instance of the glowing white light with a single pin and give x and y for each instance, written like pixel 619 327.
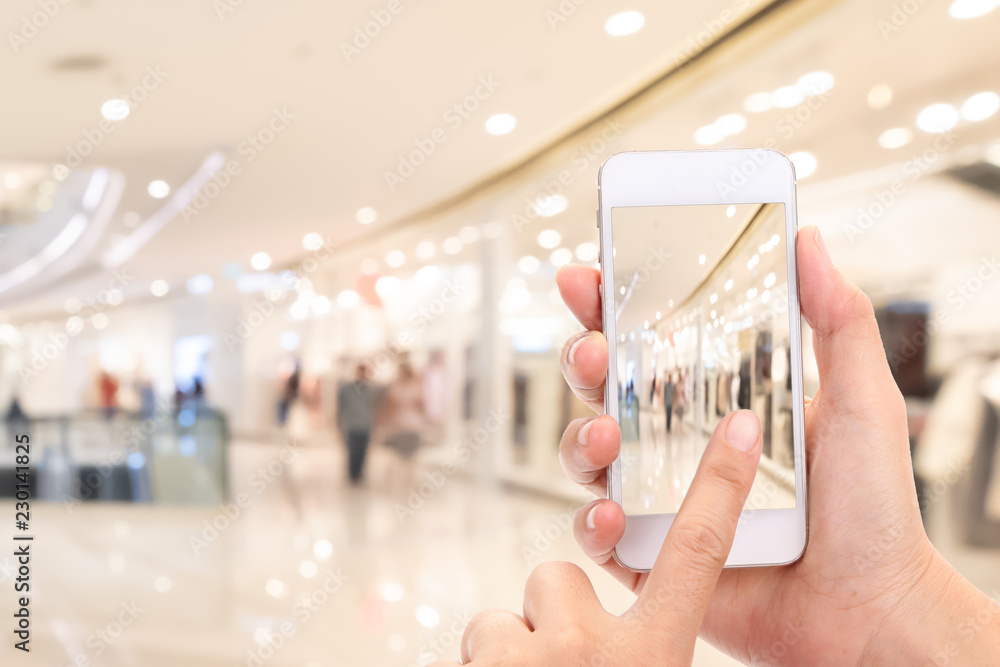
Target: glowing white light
pixel 99 321
pixel 390 591
pixel 549 239
pixel 880 96
pixel 312 241
pixel 425 250
pixel 730 211
pixel 159 287
pixel 815 83
pixel 561 257
pixel 937 118
pixel 388 286
pixel 586 252
pixel 427 616
pixel 980 106
pixel 707 135
pixel 322 549
pixel 624 23
pixel 500 124
pixel 276 588
pixel 732 123
pixel 260 261
pixel 468 234
pixel 348 299
pixel 758 102
pixel 805 163
pixel 395 259
pixel 320 305
pixel 550 205
pixel 158 189
pixel 289 340
pixel 299 310
pixel 12 180
pixel 115 109
pixel 788 96
pixel 701 259
pixel 970 9
pixel 200 284
pixel 452 245
pixel 770 280
pixel 713 298
pixel 528 264
pixel 897 137
pixel 729 284
pixel 308 569
pixel 366 215
pixel 428 276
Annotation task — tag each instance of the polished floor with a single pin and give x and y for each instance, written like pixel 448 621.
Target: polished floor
pixel 310 572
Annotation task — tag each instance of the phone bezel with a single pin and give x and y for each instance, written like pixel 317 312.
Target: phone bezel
pixel 736 176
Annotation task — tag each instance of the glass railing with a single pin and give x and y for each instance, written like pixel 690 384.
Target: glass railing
pixel 171 456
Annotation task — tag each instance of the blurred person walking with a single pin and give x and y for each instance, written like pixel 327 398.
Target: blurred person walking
pixel 669 390
pixel 402 417
pixel 355 417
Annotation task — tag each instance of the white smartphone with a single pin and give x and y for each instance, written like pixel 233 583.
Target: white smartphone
pixel 701 313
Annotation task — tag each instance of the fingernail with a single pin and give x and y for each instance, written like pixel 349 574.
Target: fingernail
pixel 581 435
pixel 592 518
pixel 822 248
pixel 742 430
pixel 571 355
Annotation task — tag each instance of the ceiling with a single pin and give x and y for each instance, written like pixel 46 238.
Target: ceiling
pixel 353 120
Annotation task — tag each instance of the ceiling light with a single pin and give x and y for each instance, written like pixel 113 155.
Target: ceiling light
pixel 701 259
pixel 758 102
pixel 895 138
pixel 586 252
pixel 200 284
pixel 308 569
pixel 348 299
pixel 500 124
pixel 115 109
pixel 452 245
pixel 980 106
pixel 158 189
pixel 276 588
pixel 320 305
pixel 369 266
pixel 387 286
pixel 260 261
pixel 937 118
pixel 970 9
pixel 395 259
pixel 366 215
pixel 879 96
pixel 770 280
pixel 159 287
pixel 729 284
pixel 805 163
pixel 289 340
pixel 713 298
pixel 12 180
pixel 624 23
pixel 468 234
pixel 788 96
pixel 731 123
pixel 730 211
pixel 549 239
pixel 815 83
pixel 312 241
pixel 99 321
pixel 528 264
pixel 708 135
pixel 425 250
pixel 550 205
pixel 428 276
pixel 323 549
pixel 299 310
pixel 427 616
pixel 561 257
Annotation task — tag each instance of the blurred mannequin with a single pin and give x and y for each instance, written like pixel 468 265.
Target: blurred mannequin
pixel 402 418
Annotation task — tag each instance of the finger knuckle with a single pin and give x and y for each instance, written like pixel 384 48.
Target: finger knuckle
pixel 700 539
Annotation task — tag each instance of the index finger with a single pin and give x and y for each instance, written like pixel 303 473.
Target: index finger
pixel 679 587
pixel 580 287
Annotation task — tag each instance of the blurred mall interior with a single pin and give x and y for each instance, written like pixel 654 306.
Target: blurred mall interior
pixel 216 216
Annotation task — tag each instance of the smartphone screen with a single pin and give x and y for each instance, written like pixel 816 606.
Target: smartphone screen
pixel 702 327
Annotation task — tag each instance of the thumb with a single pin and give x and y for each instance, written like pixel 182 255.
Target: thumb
pixel 853 371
